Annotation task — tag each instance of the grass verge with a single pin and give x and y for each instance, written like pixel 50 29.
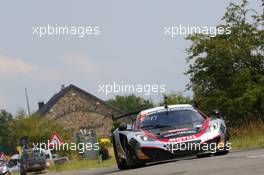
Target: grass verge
pixel 250 135
pixel 84 164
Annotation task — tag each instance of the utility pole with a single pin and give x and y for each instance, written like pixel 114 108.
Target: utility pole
pixel 28 108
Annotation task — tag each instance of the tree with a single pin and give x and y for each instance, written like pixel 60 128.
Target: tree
pixel 5 118
pixel 176 98
pixel 227 71
pixel 36 129
pixel 130 103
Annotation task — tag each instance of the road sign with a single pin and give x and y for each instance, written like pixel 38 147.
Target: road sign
pixel 88 137
pixel 55 140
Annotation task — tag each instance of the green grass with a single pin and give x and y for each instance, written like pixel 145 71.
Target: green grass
pixel 84 164
pixel 79 165
pixel 250 135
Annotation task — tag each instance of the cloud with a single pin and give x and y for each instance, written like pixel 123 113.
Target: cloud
pixel 13 67
pixel 72 64
pixel 79 62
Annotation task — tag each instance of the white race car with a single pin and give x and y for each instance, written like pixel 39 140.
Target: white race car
pixel 168 132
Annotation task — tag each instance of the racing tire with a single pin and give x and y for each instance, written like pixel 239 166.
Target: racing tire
pixel 23 173
pixel 121 163
pixel 223 152
pixel 131 159
pixel 199 156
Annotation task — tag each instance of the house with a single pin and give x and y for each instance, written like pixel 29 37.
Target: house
pixel 77 109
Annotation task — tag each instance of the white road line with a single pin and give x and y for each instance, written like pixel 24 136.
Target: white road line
pixel 261 156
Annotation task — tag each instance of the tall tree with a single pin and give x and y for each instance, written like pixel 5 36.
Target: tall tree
pixel 5 119
pixel 36 129
pixel 227 71
pixel 130 103
pixel 177 98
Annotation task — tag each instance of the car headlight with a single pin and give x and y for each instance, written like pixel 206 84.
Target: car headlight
pixel 145 137
pixel 213 126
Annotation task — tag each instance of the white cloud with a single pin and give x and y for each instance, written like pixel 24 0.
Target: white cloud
pixel 71 65
pixel 13 67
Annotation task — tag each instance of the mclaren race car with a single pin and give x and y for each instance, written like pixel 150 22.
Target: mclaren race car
pixel 168 132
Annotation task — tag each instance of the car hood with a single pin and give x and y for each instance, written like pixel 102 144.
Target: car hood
pixel 176 131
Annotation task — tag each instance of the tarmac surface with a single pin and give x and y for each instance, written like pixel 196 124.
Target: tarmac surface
pixel 246 162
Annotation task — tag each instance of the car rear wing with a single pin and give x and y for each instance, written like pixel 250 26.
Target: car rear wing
pixel 129 115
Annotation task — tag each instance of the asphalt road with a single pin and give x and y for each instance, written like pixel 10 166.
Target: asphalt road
pixel 248 162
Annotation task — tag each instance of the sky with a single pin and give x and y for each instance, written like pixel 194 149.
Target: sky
pixel 130 49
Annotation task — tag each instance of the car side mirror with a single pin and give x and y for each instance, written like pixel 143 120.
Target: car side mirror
pixel 216 112
pixel 125 127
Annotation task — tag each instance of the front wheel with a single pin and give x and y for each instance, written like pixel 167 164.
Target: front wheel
pixel 22 172
pixel 224 151
pixel 121 163
pixel 131 159
pixel 221 153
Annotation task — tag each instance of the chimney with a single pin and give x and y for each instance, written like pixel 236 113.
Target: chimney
pixel 62 86
pixel 41 104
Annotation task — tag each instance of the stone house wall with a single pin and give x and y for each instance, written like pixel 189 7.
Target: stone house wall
pixel 77 111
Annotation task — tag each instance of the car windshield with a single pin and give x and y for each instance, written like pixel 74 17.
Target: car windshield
pixel 171 118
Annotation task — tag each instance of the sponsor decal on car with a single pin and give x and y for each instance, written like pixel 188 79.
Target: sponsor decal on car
pixel 177 130
pixel 180 133
pixel 178 139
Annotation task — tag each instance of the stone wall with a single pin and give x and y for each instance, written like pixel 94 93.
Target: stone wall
pixel 78 111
